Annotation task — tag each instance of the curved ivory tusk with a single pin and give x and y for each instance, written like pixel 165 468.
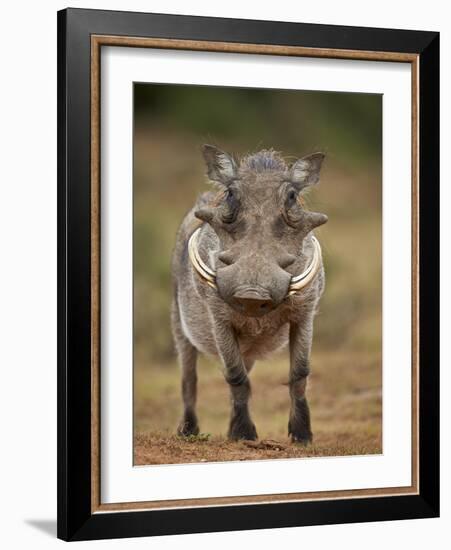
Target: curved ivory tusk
pixel 302 280
pixel 201 267
pixel 297 283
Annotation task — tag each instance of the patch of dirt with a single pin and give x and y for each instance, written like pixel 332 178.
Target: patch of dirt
pixel 160 449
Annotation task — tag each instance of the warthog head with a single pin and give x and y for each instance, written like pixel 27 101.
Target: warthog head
pixel 260 222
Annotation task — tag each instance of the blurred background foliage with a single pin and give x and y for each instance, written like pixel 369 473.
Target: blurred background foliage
pixel 171 124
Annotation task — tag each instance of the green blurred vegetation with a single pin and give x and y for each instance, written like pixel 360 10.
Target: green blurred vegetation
pixel 171 124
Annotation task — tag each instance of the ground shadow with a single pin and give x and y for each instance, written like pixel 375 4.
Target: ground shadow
pixel 47 526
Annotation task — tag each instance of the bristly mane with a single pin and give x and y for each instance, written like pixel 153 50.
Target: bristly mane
pixel 263 161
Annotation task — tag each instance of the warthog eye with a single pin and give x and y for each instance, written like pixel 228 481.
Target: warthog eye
pixel 291 198
pixel 231 206
pixel 293 211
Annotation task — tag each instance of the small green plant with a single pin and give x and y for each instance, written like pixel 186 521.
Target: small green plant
pixel 195 438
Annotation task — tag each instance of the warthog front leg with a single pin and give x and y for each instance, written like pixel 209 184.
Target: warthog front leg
pixel 187 354
pixel 300 344
pixel 235 374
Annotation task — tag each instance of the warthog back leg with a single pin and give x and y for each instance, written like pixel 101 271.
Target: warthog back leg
pixel 300 344
pixel 187 355
pixel 235 373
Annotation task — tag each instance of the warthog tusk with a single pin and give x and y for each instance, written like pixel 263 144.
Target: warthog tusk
pixel 201 267
pixel 300 281
pixel 297 282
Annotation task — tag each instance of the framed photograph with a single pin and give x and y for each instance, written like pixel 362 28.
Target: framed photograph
pixel 248 274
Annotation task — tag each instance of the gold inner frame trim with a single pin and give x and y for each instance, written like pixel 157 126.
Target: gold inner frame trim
pixel 97 41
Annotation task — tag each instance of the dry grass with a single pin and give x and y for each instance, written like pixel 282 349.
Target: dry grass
pixel 345 401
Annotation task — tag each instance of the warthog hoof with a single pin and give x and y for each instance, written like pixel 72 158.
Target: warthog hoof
pixel 301 440
pixel 242 429
pixel 188 426
pixel 299 433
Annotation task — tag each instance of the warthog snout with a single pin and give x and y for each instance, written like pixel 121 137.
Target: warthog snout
pixel 251 285
pixel 253 302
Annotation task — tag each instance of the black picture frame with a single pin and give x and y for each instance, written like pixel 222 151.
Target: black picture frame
pixel 76 521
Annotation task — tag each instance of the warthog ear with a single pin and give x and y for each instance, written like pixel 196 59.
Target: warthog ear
pixel 305 171
pixel 221 167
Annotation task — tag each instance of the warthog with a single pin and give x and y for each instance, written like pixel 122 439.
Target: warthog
pixel 248 276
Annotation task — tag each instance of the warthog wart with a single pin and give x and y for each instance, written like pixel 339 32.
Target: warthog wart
pixel 238 292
